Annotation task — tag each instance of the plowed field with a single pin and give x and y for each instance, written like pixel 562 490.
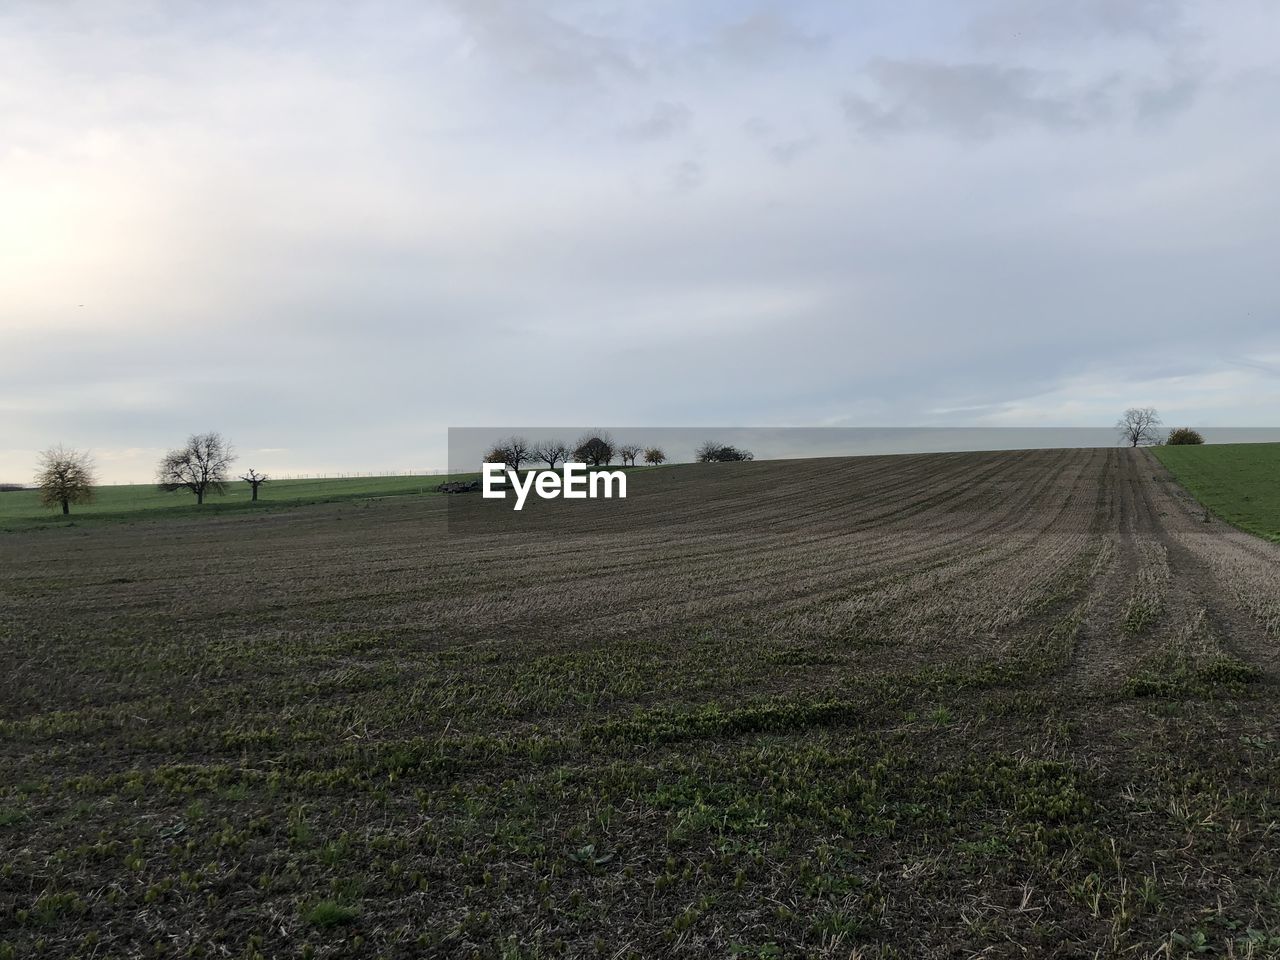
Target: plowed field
pixel 1000 704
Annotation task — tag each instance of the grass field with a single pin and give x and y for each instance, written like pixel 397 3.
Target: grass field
pixel 21 509
pixel 1017 704
pixel 1240 482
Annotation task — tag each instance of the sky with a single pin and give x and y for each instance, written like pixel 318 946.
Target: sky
pixel 332 230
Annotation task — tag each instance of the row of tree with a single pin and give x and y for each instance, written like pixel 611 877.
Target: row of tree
pixel 598 449
pixel 67 476
pixel 202 465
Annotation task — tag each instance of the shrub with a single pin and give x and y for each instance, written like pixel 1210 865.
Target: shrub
pixel 712 452
pixel 1184 435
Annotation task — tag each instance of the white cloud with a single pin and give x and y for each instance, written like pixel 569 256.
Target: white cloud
pixel 1241 393
pixel 321 226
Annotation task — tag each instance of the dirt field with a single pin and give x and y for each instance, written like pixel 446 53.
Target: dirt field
pixel 1000 704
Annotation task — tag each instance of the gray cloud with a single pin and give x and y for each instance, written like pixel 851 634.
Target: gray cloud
pixel 1059 22
pixel 980 100
pixel 967 99
pixel 666 120
pixel 532 41
pixel 782 147
pixel 686 175
pixel 764 35
pixel 1163 98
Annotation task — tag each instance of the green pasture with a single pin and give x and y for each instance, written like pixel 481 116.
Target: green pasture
pixel 1239 482
pixel 21 509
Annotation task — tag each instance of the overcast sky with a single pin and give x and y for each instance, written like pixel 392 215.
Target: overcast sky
pixel 333 230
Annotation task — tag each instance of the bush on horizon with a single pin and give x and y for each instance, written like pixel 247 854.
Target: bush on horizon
pixel 1183 436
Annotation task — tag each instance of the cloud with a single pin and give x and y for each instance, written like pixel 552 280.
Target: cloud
pixel 1058 22
pixel 1162 98
pixel 764 35
pixel 665 121
pixel 972 100
pixel 337 234
pixel 977 101
pixel 784 149
pixel 527 40
pixel 1221 394
pixel 687 175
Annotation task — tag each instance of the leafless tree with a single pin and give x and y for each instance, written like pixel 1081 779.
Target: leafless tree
pixel 628 453
pixel 551 452
pixel 654 456
pixel 200 466
pixel 1139 426
pixel 65 477
pixel 595 449
pixel 512 451
pixel 254 480
pixel 518 451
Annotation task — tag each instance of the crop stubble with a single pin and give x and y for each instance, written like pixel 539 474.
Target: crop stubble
pixel 1020 703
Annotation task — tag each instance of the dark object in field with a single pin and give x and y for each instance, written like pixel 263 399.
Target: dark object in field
pixel 459 486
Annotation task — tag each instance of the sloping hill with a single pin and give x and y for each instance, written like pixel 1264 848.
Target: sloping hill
pixel 904 706
pixel 21 509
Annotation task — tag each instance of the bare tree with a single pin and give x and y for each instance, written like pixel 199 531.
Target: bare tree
pixel 518 451
pixel 512 451
pixel 1139 426
pixel 595 449
pixel 654 456
pixel 551 452
pixel 200 466
pixel 254 480
pixel 65 477
pixel 628 453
